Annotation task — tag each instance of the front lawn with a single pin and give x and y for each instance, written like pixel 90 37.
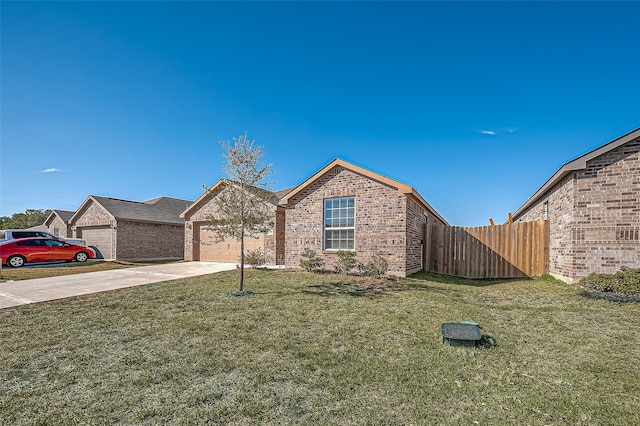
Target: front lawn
pixel 321 349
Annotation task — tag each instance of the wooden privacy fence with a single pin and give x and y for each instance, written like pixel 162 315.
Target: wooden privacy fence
pixel 503 251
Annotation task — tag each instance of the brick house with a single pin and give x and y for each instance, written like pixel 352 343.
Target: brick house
pixel 593 207
pixel 341 207
pixel 200 242
pixel 57 223
pixel 131 230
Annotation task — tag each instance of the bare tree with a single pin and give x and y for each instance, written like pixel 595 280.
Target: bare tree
pixel 245 203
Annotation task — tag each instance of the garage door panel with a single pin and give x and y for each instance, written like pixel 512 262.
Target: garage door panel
pixel 99 238
pixel 224 251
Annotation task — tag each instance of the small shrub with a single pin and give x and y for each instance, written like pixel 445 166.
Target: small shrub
pixel 310 261
pixel 625 281
pixel 377 266
pixel 346 261
pixel 255 257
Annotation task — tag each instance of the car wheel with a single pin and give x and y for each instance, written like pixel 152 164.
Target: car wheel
pixel 81 256
pixel 16 261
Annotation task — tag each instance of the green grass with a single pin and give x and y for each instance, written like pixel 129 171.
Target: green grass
pixel 68 269
pixel 321 349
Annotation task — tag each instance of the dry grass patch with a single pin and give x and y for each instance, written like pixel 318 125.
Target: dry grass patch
pixel 321 349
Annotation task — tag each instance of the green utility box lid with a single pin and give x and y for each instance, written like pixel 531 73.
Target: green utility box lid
pixel 460 334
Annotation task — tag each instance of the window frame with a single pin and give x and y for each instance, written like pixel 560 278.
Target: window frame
pixel 347 228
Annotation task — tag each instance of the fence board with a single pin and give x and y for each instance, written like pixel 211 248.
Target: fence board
pixel 503 251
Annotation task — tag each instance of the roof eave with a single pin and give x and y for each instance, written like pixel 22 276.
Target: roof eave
pixel 401 187
pixel 82 206
pixel 426 205
pixel 53 213
pixel 579 163
pixel 202 197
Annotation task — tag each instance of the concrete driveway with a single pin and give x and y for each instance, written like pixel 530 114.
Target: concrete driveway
pixel 23 292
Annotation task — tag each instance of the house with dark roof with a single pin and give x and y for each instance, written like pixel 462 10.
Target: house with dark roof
pixel 131 230
pixel 201 243
pixel 593 207
pixel 340 207
pixel 57 223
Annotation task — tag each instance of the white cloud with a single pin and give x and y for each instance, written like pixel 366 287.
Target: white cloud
pixel 488 132
pixel 511 129
pixel 51 170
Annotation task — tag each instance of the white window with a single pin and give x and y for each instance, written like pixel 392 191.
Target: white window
pixel 339 223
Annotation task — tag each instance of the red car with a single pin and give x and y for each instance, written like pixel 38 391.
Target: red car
pixel 16 253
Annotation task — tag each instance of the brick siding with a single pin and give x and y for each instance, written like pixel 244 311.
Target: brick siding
pixel 140 240
pixel 594 216
pixel 64 229
pixel 274 242
pixel 134 240
pixel 93 215
pixel 208 208
pixel 557 206
pixel 380 220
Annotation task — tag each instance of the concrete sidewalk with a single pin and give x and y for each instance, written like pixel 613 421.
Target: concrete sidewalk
pixel 41 289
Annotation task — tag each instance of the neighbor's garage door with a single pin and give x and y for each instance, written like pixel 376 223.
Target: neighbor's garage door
pixel 99 237
pixel 225 251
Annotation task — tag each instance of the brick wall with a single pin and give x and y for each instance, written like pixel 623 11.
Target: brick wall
pixel 93 215
pixel 380 220
pixel 64 230
pixel 140 240
pixel 274 239
pixel 415 234
pixel 557 206
pixel 208 208
pixel 607 218
pixel 594 216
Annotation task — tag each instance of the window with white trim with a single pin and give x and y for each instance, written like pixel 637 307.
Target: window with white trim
pixel 339 223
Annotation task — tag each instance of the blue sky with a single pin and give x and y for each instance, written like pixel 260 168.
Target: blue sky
pixel 474 104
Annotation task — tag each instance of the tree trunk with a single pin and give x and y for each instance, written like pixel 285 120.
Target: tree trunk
pixel 242 261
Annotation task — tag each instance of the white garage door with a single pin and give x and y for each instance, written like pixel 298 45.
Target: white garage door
pixel 100 238
pixel 225 251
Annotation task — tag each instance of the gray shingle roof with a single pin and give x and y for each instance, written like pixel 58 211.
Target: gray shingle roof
pixel 159 210
pixel 65 215
pixel 281 193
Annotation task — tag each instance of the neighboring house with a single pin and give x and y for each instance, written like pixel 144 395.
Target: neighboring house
pixel 344 206
pixel 593 207
pixel 57 223
pixel 132 230
pixel 200 242
pixel 341 207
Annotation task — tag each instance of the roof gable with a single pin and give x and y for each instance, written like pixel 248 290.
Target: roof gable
pixel 85 206
pixel 579 163
pixel 64 215
pixel 401 187
pixel 218 186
